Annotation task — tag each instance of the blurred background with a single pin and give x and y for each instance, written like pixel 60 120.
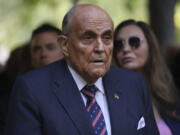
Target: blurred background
pixel 19 17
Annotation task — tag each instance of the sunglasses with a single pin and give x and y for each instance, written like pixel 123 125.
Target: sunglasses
pixel 133 41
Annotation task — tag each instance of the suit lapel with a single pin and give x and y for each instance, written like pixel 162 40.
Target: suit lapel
pixel 116 104
pixel 68 95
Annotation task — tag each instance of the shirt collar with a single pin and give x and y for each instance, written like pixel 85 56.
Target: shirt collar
pixel 81 82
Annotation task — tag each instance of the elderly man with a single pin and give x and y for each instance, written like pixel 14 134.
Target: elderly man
pixel 45 48
pixel 82 95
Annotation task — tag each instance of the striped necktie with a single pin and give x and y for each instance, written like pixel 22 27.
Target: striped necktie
pixel 94 110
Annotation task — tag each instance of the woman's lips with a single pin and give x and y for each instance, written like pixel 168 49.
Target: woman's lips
pixel 127 59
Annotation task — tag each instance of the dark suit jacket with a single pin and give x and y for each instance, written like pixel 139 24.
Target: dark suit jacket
pixel 47 102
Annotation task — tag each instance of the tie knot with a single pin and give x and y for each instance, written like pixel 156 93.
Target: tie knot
pixel 89 91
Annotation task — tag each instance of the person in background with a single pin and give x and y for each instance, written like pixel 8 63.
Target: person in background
pixel 44 46
pixel 18 63
pixel 82 94
pixel 136 48
pixel 42 50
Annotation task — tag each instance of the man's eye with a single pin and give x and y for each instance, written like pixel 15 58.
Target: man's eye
pixel 87 37
pixel 107 37
pixel 36 49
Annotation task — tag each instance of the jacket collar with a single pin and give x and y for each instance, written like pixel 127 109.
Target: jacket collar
pixel 67 93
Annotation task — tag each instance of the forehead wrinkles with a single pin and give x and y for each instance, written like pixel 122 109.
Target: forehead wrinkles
pixel 98 23
pixel 91 23
pixel 91 17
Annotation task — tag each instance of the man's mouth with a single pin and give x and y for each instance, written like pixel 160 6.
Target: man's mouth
pixel 98 62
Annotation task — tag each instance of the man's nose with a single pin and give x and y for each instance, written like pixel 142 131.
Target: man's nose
pixel 44 53
pixel 99 45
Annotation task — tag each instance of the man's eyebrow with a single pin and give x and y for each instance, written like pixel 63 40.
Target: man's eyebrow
pixel 49 44
pixel 35 46
pixel 109 31
pixel 88 32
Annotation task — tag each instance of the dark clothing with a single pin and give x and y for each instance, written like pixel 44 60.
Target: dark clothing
pixel 5 90
pixel 47 102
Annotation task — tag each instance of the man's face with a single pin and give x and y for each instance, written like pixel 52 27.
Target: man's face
pixel 90 44
pixel 45 49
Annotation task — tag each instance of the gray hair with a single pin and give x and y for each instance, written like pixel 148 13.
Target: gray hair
pixel 66 19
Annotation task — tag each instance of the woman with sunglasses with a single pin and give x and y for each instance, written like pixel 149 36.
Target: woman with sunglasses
pixel 136 48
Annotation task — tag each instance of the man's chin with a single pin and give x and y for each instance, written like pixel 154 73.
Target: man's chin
pixel 92 75
pixel 98 73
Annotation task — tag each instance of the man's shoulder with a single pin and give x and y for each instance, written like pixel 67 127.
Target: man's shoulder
pixel 124 78
pixel 118 72
pixel 46 71
pixel 41 79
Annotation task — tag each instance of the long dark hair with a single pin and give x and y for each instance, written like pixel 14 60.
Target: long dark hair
pixel 159 79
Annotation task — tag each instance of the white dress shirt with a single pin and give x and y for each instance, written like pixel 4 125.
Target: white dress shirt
pixel 100 96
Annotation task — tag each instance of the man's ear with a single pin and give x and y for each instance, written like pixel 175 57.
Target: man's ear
pixel 62 40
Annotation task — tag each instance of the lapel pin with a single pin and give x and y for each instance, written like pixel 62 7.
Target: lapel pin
pixel 116 96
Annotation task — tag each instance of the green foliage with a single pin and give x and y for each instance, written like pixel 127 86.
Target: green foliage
pixel 120 10
pixel 177 20
pixel 19 17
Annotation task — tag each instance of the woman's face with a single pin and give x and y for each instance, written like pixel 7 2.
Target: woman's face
pixel 132 48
